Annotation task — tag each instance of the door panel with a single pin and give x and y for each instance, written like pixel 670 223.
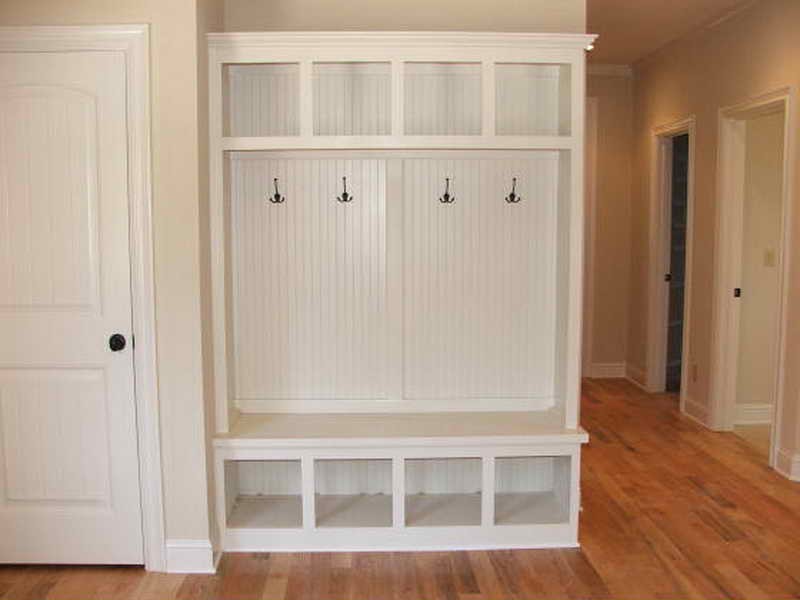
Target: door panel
pixel 69 490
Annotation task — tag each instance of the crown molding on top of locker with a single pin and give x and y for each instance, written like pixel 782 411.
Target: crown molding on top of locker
pixel 400 39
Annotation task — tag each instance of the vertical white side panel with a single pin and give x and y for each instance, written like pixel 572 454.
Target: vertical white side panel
pixel 479 277
pixel 309 281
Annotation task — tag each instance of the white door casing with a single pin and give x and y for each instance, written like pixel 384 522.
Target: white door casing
pixel 68 425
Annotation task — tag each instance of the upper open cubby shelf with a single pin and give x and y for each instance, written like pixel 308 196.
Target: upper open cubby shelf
pixel 368 97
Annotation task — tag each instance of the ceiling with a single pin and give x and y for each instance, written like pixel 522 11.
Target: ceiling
pixel 632 29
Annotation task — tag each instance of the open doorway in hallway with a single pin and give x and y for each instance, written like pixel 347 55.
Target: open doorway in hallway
pixel 679 197
pixel 669 293
pixel 759 299
pixel 751 272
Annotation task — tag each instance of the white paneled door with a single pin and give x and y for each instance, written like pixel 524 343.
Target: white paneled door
pixel 69 477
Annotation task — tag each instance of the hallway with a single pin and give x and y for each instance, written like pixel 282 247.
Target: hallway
pixel 670 510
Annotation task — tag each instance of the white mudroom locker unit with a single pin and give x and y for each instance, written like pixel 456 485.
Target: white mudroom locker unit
pixel 397 246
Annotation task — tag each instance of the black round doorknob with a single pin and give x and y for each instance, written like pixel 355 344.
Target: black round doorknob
pixel 116 342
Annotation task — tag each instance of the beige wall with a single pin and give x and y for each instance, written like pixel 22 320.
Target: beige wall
pixel 175 160
pixel 612 215
pixel 755 52
pixel 425 15
pixel 210 17
pixel 760 245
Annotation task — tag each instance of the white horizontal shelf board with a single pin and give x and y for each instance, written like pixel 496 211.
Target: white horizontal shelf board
pixel 347 427
pixel 443 510
pixel 354 510
pixel 529 508
pixel 267 512
pixel 381 142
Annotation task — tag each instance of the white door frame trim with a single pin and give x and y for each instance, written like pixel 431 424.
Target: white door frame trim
pixel 590 217
pixel 660 222
pixel 725 324
pixel 133 42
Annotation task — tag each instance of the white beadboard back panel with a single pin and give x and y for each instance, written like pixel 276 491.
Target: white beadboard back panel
pixel 363 476
pixel 262 99
pixel 479 278
pixel 309 278
pixel 48 199
pixel 443 476
pixel 352 98
pixel 532 99
pixel 442 98
pixel 267 477
pixel 525 474
pixel 67 458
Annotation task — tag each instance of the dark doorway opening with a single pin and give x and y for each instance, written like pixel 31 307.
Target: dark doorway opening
pixel 679 186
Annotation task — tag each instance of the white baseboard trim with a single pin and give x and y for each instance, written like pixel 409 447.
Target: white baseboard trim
pixel 753 414
pixel 190 556
pixel 788 464
pixel 607 370
pixel 696 412
pixel 636 376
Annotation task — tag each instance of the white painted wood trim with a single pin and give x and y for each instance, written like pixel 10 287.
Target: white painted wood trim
pixel 660 222
pixel 400 39
pixel 133 42
pixel 753 414
pixel 190 556
pixel 787 463
pixel 724 333
pixel 574 327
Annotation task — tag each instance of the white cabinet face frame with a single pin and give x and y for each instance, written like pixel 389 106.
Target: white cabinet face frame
pixel 398 49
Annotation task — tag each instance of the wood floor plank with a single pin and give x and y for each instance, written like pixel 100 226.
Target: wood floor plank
pixel 670 510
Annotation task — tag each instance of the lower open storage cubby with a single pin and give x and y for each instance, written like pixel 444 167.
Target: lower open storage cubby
pixel 263 494
pixel 353 493
pixel 443 492
pixel 532 490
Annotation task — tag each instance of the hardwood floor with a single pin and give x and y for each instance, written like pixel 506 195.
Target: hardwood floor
pixel 670 510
